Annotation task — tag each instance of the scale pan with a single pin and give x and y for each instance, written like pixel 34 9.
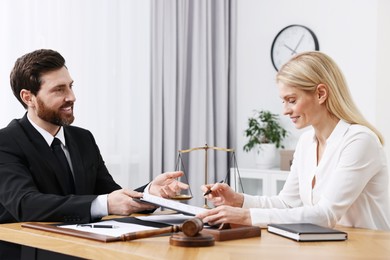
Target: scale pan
pixel 182 197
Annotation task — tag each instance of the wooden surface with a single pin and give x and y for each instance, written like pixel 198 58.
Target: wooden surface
pixel 361 243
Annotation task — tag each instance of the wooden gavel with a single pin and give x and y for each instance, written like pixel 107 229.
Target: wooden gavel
pixel 190 228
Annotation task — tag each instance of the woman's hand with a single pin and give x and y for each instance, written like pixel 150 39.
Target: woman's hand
pixel 226 214
pixel 223 194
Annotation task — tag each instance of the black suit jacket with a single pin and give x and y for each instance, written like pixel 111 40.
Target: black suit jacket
pixel 31 186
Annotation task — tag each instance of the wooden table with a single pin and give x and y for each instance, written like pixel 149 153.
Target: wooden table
pixel 361 243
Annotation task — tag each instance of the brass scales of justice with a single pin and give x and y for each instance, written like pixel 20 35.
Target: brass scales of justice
pixel 180 166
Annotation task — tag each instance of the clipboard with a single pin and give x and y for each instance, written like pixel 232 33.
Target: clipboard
pixel 70 232
pixel 170 204
pixel 56 228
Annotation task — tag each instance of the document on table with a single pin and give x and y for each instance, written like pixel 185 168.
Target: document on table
pixel 122 226
pixel 119 228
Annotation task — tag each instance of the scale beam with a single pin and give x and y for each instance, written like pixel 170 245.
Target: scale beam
pixel 205 148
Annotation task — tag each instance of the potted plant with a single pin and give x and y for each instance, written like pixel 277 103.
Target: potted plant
pixel 265 135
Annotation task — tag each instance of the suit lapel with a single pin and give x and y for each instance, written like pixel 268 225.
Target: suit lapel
pixel 44 152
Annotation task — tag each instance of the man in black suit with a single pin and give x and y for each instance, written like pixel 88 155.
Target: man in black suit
pixel 33 185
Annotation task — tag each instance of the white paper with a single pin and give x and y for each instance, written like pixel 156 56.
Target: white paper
pixel 122 228
pixel 170 219
pixel 172 204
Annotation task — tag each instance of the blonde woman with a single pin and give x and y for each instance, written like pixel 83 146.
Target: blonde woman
pixel 339 173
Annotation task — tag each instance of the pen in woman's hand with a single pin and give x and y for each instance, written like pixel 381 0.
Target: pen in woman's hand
pixel 209 191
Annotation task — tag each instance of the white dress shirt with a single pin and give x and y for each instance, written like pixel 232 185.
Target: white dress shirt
pixel 351 189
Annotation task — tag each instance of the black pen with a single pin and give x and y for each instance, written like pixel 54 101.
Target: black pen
pixel 96 226
pixel 209 191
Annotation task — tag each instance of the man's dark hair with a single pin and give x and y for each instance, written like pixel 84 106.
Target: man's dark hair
pixel 29 68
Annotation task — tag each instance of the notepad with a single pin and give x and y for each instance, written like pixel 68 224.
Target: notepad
pixel 171 204
pixel 307 232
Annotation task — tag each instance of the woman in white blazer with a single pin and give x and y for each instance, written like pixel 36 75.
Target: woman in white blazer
pixel 339 173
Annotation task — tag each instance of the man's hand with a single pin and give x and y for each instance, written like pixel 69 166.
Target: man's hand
pixel 120 202
pixel 166 185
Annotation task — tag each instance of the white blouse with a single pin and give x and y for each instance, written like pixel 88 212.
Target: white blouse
pixel 352 184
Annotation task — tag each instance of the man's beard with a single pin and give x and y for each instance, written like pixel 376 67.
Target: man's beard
pixel 52 116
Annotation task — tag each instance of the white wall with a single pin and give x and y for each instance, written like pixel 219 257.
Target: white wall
pixel 347 30
pixel 383 69
pixel 106 44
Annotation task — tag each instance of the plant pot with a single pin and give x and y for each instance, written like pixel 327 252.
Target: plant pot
pixel 286 157
pixel 265 157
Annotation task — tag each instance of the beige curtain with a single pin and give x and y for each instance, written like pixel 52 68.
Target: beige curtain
pixel 193 87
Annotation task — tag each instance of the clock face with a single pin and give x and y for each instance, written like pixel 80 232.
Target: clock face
pixel 292 40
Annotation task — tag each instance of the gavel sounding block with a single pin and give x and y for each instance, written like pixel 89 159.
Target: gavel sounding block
pixel 191 236
pixel 232 232
pixel 199 240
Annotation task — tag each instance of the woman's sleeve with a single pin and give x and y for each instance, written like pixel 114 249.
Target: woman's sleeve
pixel 357 163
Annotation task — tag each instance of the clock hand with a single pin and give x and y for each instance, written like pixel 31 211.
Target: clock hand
pixel 293 51
pixel 299 42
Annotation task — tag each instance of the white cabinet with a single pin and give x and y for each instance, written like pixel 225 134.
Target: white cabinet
pixel 266 182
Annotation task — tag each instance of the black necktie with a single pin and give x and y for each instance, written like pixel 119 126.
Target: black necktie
pixel 59 153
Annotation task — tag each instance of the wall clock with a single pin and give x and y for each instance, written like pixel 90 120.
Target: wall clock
pixel 292 40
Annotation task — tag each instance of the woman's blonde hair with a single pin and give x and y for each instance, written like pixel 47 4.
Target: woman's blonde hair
pixel 309 69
